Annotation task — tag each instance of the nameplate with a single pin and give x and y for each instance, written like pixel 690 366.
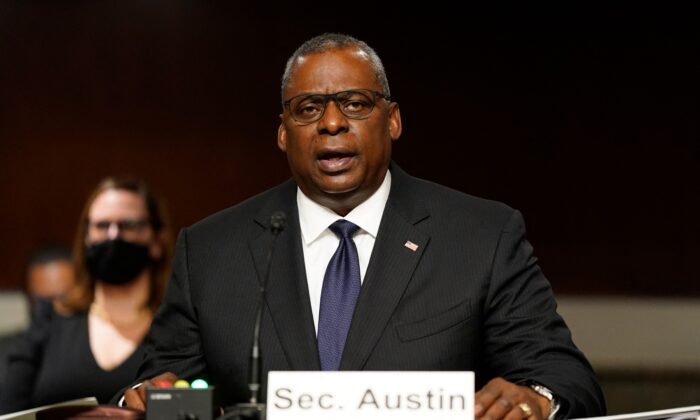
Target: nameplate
pixel 294 395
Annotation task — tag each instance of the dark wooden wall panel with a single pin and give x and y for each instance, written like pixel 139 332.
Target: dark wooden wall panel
pixel 589 126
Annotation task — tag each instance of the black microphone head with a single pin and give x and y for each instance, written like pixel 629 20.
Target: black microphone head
pixel 278 221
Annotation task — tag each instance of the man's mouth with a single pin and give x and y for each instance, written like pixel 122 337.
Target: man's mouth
pixel 334 161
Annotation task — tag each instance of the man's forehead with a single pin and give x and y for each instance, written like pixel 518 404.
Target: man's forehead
pixel 348 51
pixel 332 71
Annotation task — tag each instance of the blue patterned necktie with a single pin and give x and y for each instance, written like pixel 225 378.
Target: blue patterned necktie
pixel 341 286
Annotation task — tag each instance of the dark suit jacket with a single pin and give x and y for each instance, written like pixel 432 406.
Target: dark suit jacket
pixel 471 297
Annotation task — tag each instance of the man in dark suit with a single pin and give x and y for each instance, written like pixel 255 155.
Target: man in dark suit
pixel 448 281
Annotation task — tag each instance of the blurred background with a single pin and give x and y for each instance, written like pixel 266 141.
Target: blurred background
pixel 585 120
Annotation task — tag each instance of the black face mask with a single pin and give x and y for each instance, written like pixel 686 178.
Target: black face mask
pixel 116 261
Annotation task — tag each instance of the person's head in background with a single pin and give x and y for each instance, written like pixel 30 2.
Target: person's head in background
pixel 49 275
pixel 122 245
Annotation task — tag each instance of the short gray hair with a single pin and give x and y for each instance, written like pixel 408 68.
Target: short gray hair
pixel 333 41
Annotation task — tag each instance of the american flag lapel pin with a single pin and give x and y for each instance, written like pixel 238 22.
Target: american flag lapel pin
pixel 410 245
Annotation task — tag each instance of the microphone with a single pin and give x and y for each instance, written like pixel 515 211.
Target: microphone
pixel 278 221
pixel 253 409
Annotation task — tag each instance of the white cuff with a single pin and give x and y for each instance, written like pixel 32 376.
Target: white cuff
pixel 121 400
pixel 548 394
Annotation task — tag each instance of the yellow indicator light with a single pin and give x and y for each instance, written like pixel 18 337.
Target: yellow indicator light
pixel 181 383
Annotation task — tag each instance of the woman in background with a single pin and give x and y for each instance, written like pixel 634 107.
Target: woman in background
pixel 122 251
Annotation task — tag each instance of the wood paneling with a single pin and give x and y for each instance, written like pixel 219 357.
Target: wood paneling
pixel 589 129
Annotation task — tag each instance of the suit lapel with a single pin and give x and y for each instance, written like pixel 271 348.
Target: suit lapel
pixel 287 294
pixel 396 253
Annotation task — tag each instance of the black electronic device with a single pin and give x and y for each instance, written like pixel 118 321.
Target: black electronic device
pixel 170 403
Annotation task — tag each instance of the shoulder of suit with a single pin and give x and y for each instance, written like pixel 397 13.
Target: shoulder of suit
pixel 439 199
pixel 246 210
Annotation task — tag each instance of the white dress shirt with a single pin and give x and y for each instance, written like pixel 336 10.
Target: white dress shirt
pixel 319 243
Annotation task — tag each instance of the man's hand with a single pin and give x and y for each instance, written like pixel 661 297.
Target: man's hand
pixel 136 398
pixel 500 399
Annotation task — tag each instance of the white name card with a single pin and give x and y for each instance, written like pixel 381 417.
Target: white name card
pixel 294 395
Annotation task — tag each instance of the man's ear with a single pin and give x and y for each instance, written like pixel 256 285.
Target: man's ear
pixel 282 136
pixel 394 121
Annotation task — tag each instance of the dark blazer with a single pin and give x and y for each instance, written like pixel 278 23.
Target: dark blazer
pixel 470 297
pixel 52 362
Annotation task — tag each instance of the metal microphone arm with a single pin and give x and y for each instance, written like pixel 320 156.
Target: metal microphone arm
pixel 253 409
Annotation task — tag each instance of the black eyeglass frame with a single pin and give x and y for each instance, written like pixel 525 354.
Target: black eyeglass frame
pixel 334 96
pixel 123 225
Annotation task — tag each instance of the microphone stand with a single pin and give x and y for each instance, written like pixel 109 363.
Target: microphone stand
pixel 253 409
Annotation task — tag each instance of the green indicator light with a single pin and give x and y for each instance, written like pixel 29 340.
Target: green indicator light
pixel 199 384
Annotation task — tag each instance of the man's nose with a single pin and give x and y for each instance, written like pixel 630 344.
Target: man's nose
pixel 333 120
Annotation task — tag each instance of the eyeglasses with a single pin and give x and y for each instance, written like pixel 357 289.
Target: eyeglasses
pixel 126 227
pixel 356 104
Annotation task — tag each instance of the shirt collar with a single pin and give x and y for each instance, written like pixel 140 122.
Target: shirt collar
pixel 314 218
